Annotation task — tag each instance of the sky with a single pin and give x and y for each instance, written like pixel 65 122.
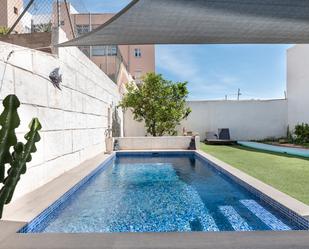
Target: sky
pixel 215 71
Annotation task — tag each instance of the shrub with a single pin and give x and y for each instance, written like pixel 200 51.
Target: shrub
pixel 3 30
pixel 43 27
pixel 302 133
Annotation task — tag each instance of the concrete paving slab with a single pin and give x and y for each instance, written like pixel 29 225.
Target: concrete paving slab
pixel 220 240
pixel 7 228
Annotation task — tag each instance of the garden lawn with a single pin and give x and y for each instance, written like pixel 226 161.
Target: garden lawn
pixel 286 173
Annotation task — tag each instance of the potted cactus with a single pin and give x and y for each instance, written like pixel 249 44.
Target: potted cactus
pixel 14 154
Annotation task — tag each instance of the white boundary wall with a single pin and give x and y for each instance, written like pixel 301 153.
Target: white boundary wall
pixel 74 120
pixel 298 85
pixel 247 120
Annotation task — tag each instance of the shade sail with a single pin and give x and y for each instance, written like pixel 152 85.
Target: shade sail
pixel 203 22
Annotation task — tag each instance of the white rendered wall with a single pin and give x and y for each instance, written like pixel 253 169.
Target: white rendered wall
pixel 131 128
pixel 74 120
pixel 247 120
pixel 298 85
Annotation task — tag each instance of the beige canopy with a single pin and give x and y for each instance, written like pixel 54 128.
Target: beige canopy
pixel 203 22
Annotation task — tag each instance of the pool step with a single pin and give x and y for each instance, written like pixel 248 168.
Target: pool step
pixel 237 222
pixel 265 216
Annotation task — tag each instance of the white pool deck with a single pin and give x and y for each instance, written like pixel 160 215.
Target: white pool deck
pixel 23 210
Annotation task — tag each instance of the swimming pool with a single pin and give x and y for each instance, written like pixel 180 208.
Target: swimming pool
pixel 158 192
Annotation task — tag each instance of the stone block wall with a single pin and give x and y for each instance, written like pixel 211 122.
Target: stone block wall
pixel 74 120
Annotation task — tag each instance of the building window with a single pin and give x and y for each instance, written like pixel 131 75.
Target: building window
pixel 104 50
pixel 82 29
pixel 113 50
pixel 62 23
pixel 137 53
pixel 98 51
pixel 15 11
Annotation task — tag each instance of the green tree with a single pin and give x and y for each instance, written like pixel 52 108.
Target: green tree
pixel 158 102
pixel 43 27
pixel 3 30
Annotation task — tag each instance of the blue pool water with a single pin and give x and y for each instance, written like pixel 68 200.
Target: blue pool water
pixel 161 193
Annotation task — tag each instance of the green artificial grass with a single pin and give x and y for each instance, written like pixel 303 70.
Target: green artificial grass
pixel 288 174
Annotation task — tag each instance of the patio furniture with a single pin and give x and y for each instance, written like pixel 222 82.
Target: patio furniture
pixel 223 138
pixel 211 136
pixel 224 134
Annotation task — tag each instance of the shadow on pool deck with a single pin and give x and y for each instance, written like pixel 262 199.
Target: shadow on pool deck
pixel 221 240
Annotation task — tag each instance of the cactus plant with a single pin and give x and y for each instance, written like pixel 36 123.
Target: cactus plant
pixel 21 155
pixel 9 121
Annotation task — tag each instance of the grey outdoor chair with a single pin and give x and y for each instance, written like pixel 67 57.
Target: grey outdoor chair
pixel 224 134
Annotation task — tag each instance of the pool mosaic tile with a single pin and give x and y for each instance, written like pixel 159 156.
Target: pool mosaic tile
pixel 268 218
pixel 237 222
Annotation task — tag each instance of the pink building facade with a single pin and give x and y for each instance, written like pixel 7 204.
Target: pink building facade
pixel 9 12
pixel 137 59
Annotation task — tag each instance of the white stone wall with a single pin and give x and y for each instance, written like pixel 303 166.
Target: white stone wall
pixel 298 85
pixel 74 120
pixel 247 120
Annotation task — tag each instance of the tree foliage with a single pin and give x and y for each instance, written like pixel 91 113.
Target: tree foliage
pixel 302 133
pixel 43 27
pixel 158 102
pixel 3 30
